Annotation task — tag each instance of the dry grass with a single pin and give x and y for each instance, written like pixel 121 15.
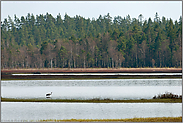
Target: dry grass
pixel 156 119
pixel 94 100
pixel 47 70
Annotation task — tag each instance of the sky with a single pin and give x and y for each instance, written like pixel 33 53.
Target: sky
pixel 93 9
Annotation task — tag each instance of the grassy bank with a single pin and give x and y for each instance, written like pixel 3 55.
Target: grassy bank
pixel 94 100
pixel 156 119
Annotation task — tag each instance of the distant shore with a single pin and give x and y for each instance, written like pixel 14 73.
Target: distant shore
pixel 94 100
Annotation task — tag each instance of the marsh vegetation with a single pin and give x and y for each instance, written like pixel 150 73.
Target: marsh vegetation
pixel 94 100
pixel 156 119
pixel 167 95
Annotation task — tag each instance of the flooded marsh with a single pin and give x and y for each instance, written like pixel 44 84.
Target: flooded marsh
pixel 112 89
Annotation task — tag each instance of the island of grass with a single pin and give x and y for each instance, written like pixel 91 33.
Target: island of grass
pixel 94 100
pixel 150 119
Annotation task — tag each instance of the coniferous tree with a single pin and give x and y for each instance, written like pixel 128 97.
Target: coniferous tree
pixel 44 41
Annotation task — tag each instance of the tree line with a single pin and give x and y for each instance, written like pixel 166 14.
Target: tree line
pixel 43 41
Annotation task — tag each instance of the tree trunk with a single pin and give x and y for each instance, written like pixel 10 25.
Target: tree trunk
pixel 27 63
pixel 74 63
pixel 136 59
pixel 55 63
pixel 119 62
pixel 23 63
pixel 63 64
pixel 84 62
pixel 159 60
pixel 116 64
pixel 51 63
pixel 112 63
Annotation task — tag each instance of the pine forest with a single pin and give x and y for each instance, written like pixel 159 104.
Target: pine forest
pixel 44 41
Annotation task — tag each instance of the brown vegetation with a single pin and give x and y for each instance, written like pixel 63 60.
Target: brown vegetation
pixel 95 70
pixel 94 100
pixel 150 119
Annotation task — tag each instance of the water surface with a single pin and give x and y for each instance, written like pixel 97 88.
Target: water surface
pixel 89 89
pixel 32 111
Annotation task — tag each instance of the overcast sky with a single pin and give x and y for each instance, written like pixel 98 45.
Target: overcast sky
pixel 92 9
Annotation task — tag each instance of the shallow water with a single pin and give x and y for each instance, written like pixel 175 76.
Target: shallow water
pixel 89 89
pixel 32 111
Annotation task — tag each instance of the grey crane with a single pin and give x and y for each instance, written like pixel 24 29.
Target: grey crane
pixel 48 95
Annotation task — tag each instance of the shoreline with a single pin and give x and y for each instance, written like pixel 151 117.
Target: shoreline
pixel 141 119
pixel 149 119
pixel 93 100
pixel 6 74
pixel 86 77
pixel 94 70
